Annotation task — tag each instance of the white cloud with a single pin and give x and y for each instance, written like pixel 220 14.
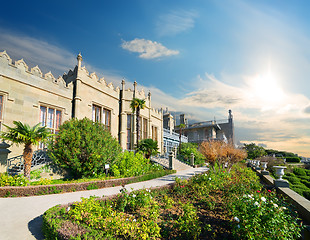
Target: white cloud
pixel 148 49
pixel 37 52
pixel 176 22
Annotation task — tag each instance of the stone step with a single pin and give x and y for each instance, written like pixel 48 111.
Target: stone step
pixel 178 165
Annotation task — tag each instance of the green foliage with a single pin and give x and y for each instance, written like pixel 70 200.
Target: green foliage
pixel 129 164
pixel 148 146
pixel 299 181
pixel 92 186
pixel 173 213
pixel 280 153
pixel 36 174
pixel 254 151
pixel 293 159
pixel 84 147
pixel 24 134
pixel 300 171
pixel 188 222
pixel 185 153
pixel 8 180
pixel 42 181
pixel 263 216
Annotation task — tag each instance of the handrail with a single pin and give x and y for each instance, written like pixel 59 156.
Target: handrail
pixel 16 164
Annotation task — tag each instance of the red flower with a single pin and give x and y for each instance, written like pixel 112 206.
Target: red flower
pixel 258 191
pixel 269 190
pixel 182 186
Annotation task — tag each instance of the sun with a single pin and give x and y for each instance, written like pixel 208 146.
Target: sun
pixel 266 90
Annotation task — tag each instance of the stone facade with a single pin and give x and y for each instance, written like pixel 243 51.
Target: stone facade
pixel 210 130
pixel 28 96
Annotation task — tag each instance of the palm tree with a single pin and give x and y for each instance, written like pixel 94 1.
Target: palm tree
pixel 137 104
pixel 181 127
pixel 29 136
pixel 148 146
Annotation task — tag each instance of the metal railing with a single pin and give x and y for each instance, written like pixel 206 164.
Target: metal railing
pixel 15 165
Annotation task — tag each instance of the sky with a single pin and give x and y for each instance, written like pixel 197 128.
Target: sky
pixel 200 57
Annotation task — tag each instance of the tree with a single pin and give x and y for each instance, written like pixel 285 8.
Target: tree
pixel 148 146
pixel 181 127
pixel 254 151
pixel 29 136
pixel 137 104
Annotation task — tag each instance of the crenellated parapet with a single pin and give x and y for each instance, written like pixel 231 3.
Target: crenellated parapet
pixel 92 80
pixel 19 70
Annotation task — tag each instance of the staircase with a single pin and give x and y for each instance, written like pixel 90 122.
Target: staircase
pixel 163 161
pixel 16 164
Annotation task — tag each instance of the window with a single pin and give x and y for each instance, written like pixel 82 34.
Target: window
pixel 1 110
pixel 106 117
pixel 144 128
pixel 102 116
pixel 50 118
pixel 140 128
pixel 154 133
pixel 96 113
pixel 128 131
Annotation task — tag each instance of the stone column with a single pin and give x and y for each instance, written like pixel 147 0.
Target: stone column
pixel 77 98
pixel 175 150
pixel 171 160
pixel 134 134
pixel 4 151
pixel 192 159
pixel 123 119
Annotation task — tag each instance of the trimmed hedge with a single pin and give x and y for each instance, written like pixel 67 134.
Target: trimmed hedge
pixel 293 159
pixel 72 187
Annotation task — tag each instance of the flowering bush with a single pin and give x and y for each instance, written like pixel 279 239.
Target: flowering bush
pixel 263 216
pixel 7 180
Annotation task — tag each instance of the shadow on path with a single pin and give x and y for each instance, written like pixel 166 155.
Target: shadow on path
pixel 35 226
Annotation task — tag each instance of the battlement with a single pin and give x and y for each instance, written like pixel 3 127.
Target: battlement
pixel 19 69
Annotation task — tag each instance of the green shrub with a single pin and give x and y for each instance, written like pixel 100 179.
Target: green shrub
pixel 148 146
pixel 129 164
pixel 84 147
pixel 293 159
pixel 8 180
pixel 187 149
pixel 300 171
pixel 306 183
pixel 292 180
pixel 262 216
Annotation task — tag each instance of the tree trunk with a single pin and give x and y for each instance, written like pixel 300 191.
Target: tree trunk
pixel 137 124
pixel 28 152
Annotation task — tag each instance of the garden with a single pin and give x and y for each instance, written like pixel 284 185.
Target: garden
pixel 219 204
pixel 85 153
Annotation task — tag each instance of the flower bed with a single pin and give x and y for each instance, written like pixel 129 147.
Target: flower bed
pixel 214 205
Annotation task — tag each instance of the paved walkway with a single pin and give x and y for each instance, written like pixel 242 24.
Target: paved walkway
pixel 21 218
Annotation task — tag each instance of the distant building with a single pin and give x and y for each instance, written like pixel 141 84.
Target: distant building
pixel 209 130
pixel 171 139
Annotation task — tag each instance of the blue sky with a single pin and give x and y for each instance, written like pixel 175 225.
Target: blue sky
pixel 199 57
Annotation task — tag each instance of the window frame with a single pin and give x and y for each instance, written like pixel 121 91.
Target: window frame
pixel 105 115
pixel 56 123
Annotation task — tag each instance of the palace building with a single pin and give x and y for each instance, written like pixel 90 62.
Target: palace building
pixel 31 97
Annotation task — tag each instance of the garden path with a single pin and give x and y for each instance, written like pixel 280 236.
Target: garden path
pixel 21 218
